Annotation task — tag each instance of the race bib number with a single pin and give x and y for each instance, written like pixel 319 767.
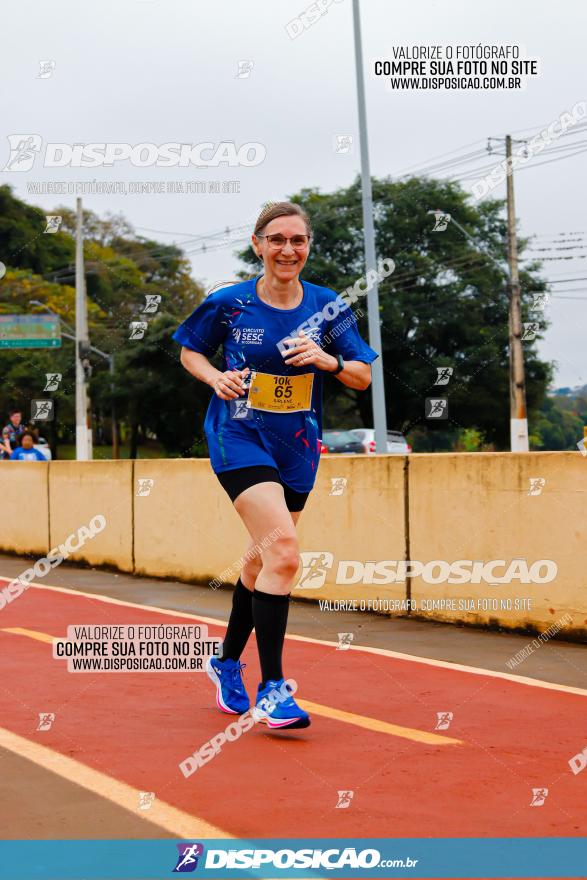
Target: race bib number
pixel 284 394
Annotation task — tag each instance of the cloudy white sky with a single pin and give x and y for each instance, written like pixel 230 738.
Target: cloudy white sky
pixel 137 71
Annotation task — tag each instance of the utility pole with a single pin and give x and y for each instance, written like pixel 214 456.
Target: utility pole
pixel 83 430
pixel 115 444
pixel 378 386
pixel 518 417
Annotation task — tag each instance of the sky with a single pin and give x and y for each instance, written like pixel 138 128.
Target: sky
pixel 148 71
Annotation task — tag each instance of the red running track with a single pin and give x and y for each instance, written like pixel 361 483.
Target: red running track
pixel 137 727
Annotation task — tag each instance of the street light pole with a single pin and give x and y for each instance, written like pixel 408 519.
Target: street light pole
pixel 103 354
pixel 83 430
pixel 114 427
pixel 378 385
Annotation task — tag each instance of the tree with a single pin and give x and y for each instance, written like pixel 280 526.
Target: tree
pixel 156 394
pixel 557 427
pixel 446 304
pixel 152 392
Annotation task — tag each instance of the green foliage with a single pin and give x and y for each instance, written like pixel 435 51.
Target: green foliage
pixel 446 304
pixel 557 427
pixel 470 440
pixel 152 392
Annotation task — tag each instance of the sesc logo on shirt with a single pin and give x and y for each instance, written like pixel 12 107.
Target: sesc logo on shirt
pixel 248 335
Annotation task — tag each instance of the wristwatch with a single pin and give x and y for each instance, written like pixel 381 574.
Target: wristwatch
pixel 340 367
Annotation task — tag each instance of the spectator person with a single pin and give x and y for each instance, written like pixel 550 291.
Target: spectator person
pixel 12 432
pixel 26 451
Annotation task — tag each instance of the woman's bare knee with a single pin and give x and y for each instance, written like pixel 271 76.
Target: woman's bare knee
pixel 250 572
pixel 283 557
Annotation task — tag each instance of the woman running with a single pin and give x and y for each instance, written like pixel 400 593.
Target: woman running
pixel 279 335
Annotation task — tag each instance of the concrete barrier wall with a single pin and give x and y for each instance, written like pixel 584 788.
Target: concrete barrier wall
pixel 170 518
pixel 81 490
pixel 185 527
pixel 364 523
pixel 24 522
pixel 495 506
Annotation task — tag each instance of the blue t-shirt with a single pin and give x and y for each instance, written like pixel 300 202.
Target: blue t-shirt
pixel 249 331
pixel 21 454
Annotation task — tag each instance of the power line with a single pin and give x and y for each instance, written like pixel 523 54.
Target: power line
pixel 565 280
pixel 433 158
pixel 536 164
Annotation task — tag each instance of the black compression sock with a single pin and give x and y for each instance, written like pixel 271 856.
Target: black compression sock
pixel 270 619
pixel 240 623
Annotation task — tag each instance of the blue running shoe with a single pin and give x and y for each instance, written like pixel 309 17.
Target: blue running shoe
pixel 276 708
pixel 231 696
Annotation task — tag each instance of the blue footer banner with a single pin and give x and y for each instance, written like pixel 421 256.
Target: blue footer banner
pixel 534 857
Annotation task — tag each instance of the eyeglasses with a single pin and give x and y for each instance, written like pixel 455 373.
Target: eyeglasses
pixel 277 242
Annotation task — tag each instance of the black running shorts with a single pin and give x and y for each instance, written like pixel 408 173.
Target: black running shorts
pixel 236 481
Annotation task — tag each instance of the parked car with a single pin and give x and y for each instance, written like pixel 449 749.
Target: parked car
pixel 43 448
pixel 341 441
pixel 396 442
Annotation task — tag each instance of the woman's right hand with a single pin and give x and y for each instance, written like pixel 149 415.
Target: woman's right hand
pixel 229 385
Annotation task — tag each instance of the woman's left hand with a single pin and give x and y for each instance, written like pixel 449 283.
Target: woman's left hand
pixel 303 351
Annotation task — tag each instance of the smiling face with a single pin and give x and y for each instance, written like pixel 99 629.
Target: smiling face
pixel 286 264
